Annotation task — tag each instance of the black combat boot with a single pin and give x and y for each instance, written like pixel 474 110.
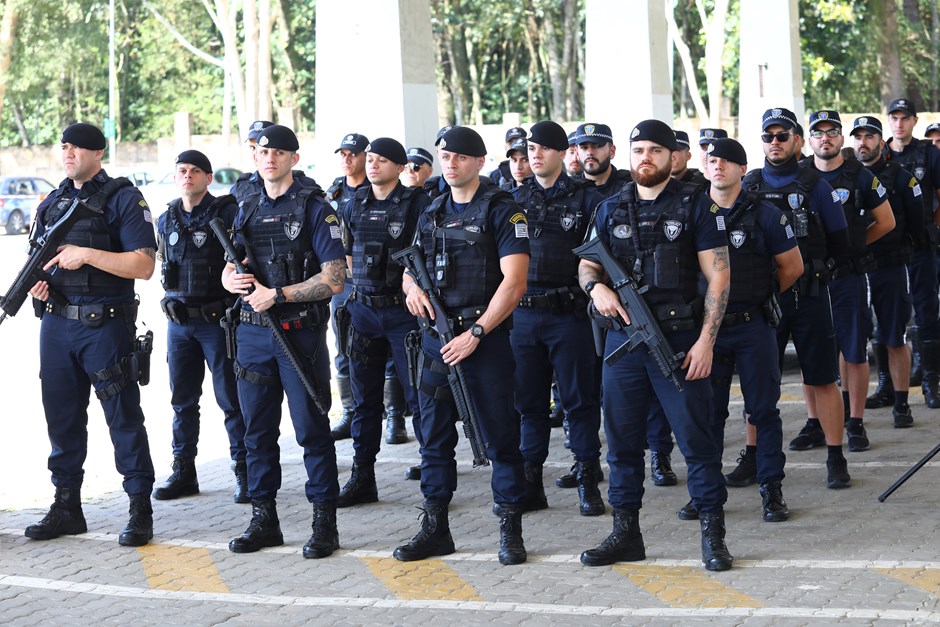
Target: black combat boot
pixel 745 473
pixel 688 511
pixel 433 538
pixel 182 481
pixel 624 544
pixel 661 469
pixel 775 508
pixel 570 478
pixel 883 396
pixel 931 380
pixel 917 368
pixel 264 529
pixel 325 538
pixel 591 502
pixel 139 529
pixel 534 489
pixel 65 517
pixel 395 432
pixel 511 547
pixel 342 430
pixel 360 488
pixel 714 551
pixel 240 468
pixel 413 473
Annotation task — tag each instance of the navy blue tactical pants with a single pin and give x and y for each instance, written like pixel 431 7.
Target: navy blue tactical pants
pixel 923 278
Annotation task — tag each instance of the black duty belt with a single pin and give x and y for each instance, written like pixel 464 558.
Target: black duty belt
pixel 304 319
pixel 180 313
pixel 93 311
pixel 379 301
pixel 741 317
pixel 560 300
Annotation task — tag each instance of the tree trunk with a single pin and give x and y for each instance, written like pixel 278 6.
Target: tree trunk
pixel 555 70
pixel 265 93
pixel 714 53
pixel 7 39
pixel 885 23
pixel 476 94
pixel 225 22
pixel 912 87
pixel 687 66
pixel 569 59
pixel 531 33
pixel 20 124
pixel 250 50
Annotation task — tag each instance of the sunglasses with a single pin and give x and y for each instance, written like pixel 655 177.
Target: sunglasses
pixel 832 132
pixel 414 167
pixel 782 137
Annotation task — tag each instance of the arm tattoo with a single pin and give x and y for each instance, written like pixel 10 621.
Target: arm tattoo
pixel 720 263
pixel 320 286
pixel 150 252
pixel 587 273
pixel 714 311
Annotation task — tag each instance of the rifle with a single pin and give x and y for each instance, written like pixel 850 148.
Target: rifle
pixel 270 319
pixel 412 258
pixel 42 248
pixel 643 328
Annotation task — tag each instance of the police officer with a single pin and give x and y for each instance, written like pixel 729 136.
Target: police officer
pixel 501 174
pixel 665 232
pixel 192 263
pixel 251 182
pixel 519 168
pixel 888 284
pixel 705 137
pixel 682 172
pixel 91 340
pixel 922 159
pixel 595 150
pixel 813 209
pixel 764 259
pixel 869 217
pixel 352 162
pixel 932 132
pixel 419 167
pixel 378 221
pixel 475 240
pixel 572 165
pixel 550 327
pixel 293 243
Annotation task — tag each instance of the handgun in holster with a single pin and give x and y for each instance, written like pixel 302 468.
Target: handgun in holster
pixel 344 329
pixel 413 356
pixel 229 323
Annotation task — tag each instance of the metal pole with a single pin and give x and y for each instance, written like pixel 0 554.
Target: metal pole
pixel 112 88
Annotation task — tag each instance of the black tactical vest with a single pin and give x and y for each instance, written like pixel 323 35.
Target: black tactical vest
pixel 90 233
pixel 897 237
pixel 556 225
pixel 791 200
pixel 751 261
pixel 914 160
pixel 380 229
pixel 656 243
pixel 193 258
pixel 857 218
pixel 465 242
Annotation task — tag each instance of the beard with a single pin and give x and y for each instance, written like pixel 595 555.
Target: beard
pixel 594 169
pixel 652 179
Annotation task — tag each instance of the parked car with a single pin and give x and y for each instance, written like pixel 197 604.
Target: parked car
pixel 160 192
pixel 19 197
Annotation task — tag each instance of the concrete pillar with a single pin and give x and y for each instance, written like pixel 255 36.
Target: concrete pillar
pixel 628 74
pixel 375 75
pixel 771 69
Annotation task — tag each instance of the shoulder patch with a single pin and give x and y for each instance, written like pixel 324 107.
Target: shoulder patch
pixel 517 218
pixel 148 217
pixel 714 207
pixel 332 219
pixel 835 197
pixel 882 192
pixel 720 222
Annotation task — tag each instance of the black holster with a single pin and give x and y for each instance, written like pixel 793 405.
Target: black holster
pixel 413 355
pixel 344 329
pixel 229 323
pixel 143 347
pixel 771 310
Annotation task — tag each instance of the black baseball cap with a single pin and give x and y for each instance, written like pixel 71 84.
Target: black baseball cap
pixel 518 145
pixel 868 123
pixel 682 138
pixel 825 115
pixel 931 128
pixel 420 156
pixel 515 133
pixel 354 143
pixel 708 135
pixel 778 116
pixel 278 137
pixel 196 158
pixel 84 135
pixel 464 141
pixel 549 134
pixel 571 138
pixel 902 104
pixel 728 149
pixel 655 131
pixel 389 148
pixel 593 133
pixel 256 127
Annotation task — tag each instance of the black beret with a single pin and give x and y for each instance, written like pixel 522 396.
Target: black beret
pixel 869 123
pixel 779 116
pixel 388 148
pixel 464 141
pixel 196 158
pixel 826 115
pixel 549 134
pixel 420 156
pixel 256 127
pixel 682 138
pixel 354 143
pixel 592 133
pixel 655 131
pixel 708 135
pixel 83 135
pixel 518 145
pixel 728 149
pixel 440 133
pixel 278 137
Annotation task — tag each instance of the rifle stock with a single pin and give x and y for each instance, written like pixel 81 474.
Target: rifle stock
pixel 221 232
pixel 412 258
pixel 643 328
pixel 42 248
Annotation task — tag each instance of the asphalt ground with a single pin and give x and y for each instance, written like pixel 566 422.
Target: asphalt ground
pixel 842 558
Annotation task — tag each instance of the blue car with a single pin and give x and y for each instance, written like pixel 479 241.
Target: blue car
pixel 19 197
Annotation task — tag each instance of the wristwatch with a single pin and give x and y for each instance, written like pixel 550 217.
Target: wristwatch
pixel 589 286
pixel 279 297
pixel 477 331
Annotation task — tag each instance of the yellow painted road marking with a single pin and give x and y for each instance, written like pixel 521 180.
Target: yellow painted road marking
pixel 927 579
pixel 683 586
pixel 427 579
pixel 180 568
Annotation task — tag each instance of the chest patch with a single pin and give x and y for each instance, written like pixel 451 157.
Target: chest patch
pixel 843 195
pixel 795 201
pixel 672 229
pixel 395 229
pixel 622 231
pixel 292 229
pixel 199 238
pixel 737 238
pixel 567 221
